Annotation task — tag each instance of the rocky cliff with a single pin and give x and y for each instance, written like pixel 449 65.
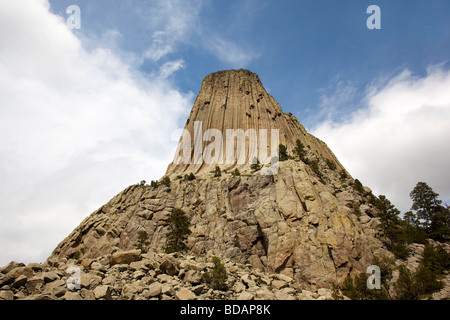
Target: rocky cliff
pixel 306 222
pixel 293 234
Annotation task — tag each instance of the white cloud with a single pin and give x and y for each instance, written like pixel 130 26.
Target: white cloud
pixel 76 127
pixel 400 138
pixel 173 22
pixel 170 67
pixel 235 55
pixel 176 23
pixel 160 47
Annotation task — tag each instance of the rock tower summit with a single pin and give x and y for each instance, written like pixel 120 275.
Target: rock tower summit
pixel 232 102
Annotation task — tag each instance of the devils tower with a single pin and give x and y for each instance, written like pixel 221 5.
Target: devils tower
pixel 307 221
pixel 237 100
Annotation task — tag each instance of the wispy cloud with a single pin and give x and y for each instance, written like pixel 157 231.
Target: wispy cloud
pixel 170 67
pixel 161 46
pixel 172 22
pixel 334 100
pixel 235 55
pixel 176 23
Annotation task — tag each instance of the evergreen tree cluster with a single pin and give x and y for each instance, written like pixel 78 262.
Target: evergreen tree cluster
pixel 420 284
pixel 357 289
pixel 428 219
pixel 426 278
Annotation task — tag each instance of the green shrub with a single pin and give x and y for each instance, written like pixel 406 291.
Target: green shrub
pixel 217 172
pixel 165 181
pixel 217 277
pixel 405 287
pixel 300 151
pixel 414 234
pixel 283 155
pixel 400 251
pixel 356 289
pixel 436 259
pixel 236 172
pixel 330 164
pixel 426 279
pixel 349 290
pixel 189 177
pixel 154 184
pixel 315 167
pixel 417 285
pixel 359 187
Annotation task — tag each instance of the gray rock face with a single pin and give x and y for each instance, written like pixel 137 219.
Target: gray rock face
pixel 290 223
pixel 237 100
pixel 150 278
pixel 300 222
pixel 292 235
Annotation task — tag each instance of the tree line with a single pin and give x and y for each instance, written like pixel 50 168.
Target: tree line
pixel 427 219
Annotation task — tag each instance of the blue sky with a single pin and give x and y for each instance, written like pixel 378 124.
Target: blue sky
pixel 302 50
pixel 86 113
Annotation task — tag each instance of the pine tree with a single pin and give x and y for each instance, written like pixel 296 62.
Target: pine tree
pixel 440 224
pixel 425 203
pixel 315 167
pixel 179 225
pixel 217 278
pixel 429 212
pixel 283 152
pixel 391 224
pixel 405 287
pixel 410 218
pixel 359 187
pixel 300 151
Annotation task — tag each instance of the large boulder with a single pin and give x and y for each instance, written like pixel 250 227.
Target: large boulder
pixel 185 294
pixel 169 266
pixel 125 257
pixel 102 292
